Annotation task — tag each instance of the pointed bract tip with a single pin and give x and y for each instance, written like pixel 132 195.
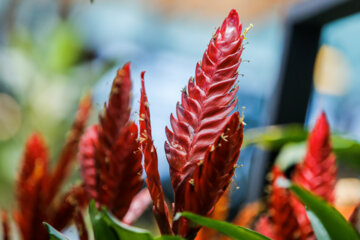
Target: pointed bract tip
pixel 35 140
pixel 230 29
pixel 127 66
pixel 322 124
pixel 233 13
pixel 124 70
pixel 233 17
pixel 142 75
pixel 322 116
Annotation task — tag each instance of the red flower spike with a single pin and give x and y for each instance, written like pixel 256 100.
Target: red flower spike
pixel 37 189
pixel 86 156
pixel 264 226
pixel 138 205
pixel 317 173
pixel 116 115
pixel 284 221
pixel 111 126
pixel 36 153
pixel 200 191
pixel 109 152
pixel 68 153
pixel 201 118
pixel 153 181
pixel 5 225
pixel 30 188
pixel 204 109
pixel 123 175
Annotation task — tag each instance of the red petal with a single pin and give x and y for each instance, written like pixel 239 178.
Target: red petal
pixel 30 189
pixel 151 164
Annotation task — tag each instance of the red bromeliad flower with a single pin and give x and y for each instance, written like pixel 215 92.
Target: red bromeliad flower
pixel 109 152
pixel 204 145
pixel 35 194
pixel 316 173
pixel 282 220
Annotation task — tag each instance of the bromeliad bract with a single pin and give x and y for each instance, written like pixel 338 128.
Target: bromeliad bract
pixel 204 144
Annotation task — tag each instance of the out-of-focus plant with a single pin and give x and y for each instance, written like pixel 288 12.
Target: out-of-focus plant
pixel 109 152
pixel 287 217
pixel 299 214
pixel 316 173
pixel 44 73
pixel 38 187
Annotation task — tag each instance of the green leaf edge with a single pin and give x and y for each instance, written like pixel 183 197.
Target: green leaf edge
pixel 116 229
pixel 325 212
pixel 223 227
pixel 53 233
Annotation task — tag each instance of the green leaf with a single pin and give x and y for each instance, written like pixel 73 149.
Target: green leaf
pixel 124 231
pixel 333 222
pixel 346 150
pixel 100 226
pixel 106 226
pixel 275 137
pixel 63 48
pixel 226 228
pixel 53 233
